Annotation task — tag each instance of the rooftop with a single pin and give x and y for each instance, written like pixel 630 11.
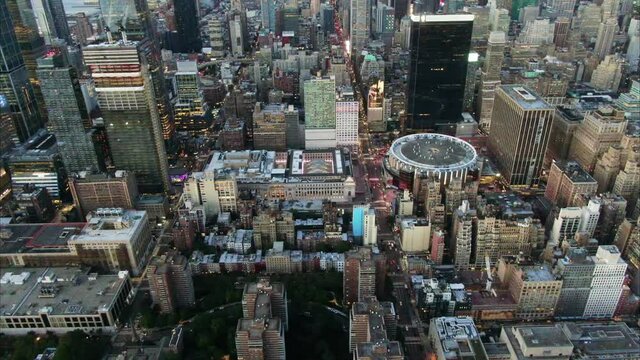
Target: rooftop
pixel 379 350
pixel 575 172
pixel 538 273
pixel 603 341
pixel 525 97
pixel 57 291
pixel 433 152
pixel 22 238
pixel 542 336
pixel 459 337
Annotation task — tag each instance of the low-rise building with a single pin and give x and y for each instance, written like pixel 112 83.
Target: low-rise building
pixel 543 342
pixel 456 338
pixel 60 300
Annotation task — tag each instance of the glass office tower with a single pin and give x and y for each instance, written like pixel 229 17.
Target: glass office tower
pixel 439 57
pixel 15 87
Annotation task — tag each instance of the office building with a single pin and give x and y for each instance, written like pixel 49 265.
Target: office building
pixel 565 122
pixel 236 35
pixel 609 72
pixel 534 288
pixel 15 87
pixel 260 331
pixel 347 116
pixel 67 112
pixel 561 30
pixel 37 162
pixel 61 299
pixel 376 120
pixel 499 235
pixel 357 219
pixel 59 17
pixel 270 227
pixel 576 269
pixel 268 9
pixel 629 102
pixel 269 127
pixel 566 181
pixel 111 240
pixel 614 340
pixel 371 321
pixel 490 77
pixel 360 26
pixel 518 111
pixel 606 285
pixel 439 47
pixel 627 182
pixel 170 282
pixel 130 112
pixel 456 338
pixel 537 32
pixel 571 220
pixel 92 191
pixel 188 108
pixel 600 130
pixel 561 8
pixel 186 19
pixel 320 113
pixel 131 15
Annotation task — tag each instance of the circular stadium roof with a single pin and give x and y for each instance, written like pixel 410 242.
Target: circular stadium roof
pixel 431 153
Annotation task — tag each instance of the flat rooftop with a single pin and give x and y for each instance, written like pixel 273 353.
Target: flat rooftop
pixel 21 238
pixel 603 341
pixel 575 172
pixel 111 224
pixel 538 273
pixel 526 98
pixel 57 291
pixel 542 336
pixel 379 350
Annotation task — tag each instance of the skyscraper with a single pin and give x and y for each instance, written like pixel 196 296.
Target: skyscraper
pixel 360 24
pixel 491 77
pixel 346 117
pixel 268 14
pixel 14 81
pixel 129 15
pixel 126 97
pixel 187 25
pixel 439 47
pixel 520 124
pixel 56 7
pixel 170 282
pixel 67 112
pixel 320 113
pixel 188 107
pixel 604 41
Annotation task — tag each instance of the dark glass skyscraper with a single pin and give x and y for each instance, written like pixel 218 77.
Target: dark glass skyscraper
pixel 60 20
pixel 130 15
pixel 187 25
pixel 439 56
pixel 15 87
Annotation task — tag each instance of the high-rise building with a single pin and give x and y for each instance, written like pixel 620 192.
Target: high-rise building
pixel 132 16
pixel 604 40
pixel 269 127
pixel 570 221
pixel 567 180
pixel 606 285
pixel 236 35
pixel 320 113
pixel 456 337
pixel 360 26
pixel 562 27
pixel 490 78
pixel 92 191
pixel 60 20
pixel 126 97
pixel 439 47
pixel 609 73
pixel 576 269
pixel 370 229
pixel 268 9
pixel 627 182
pixel 170 282
pixel 561 8
pixel 347 116
pixel 260 332
pixel 67 112
pixel 371 321
pixel 600 129
pixel 186 18
pixel 630 102
pixel 521 123
pixel 188 108
pixel 52 20
pixel 415 234
pixel 359 275
pixel 464 220
pixel 15 87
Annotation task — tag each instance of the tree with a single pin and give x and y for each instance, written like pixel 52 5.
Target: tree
pixel 78 345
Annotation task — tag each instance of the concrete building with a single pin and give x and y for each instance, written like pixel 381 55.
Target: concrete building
pixel 456 338
pixel 360 25
pixel 629 102
pixel 236 36
pixel 60 300
pixel 609 73
pixel 415 234
pixel 91 191
pixel 627 182
pixel 606 284
pixel 405 204
pixel 599 130
pixel 537 342
pixel 576 269
pixel 490 78
pixel 347 117
pixel 606 33
pixel 360 271
pixel 269 227
pixel 371 321
pixel 519 111
pixel 269 127
pixel 320 113
pixel 278 260
pixel 188 107
pixel 570 221
pixel 565 122
pixel 370 229
pixel 260 331
pixel 170 282
pixel 567 179
pixel 534 288
pixel 464 219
